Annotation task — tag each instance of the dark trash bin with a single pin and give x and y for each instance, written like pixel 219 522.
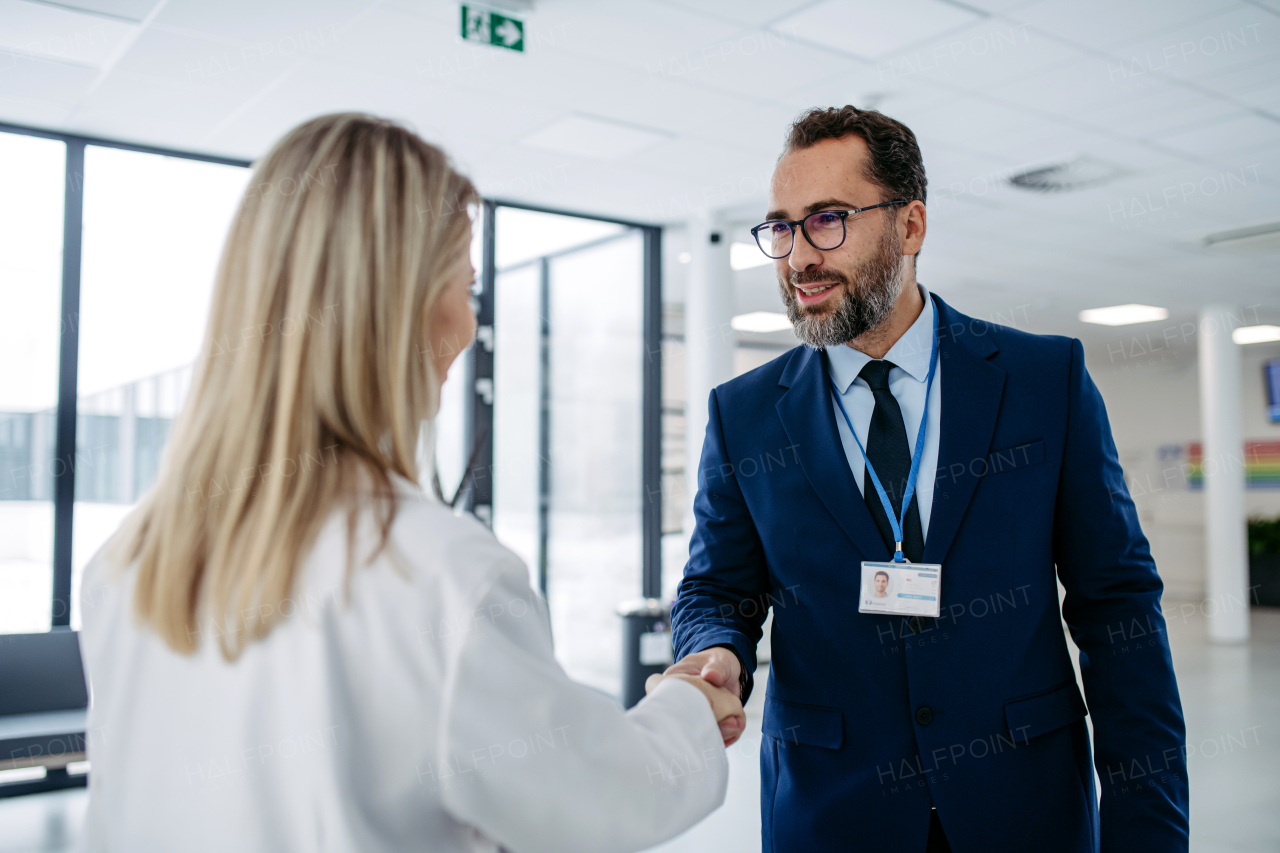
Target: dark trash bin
pixel 1264 579
pixel 646 644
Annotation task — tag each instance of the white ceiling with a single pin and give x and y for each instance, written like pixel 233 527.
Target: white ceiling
pixel 654 110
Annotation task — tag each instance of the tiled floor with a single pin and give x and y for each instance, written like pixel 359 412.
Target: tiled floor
pixel 1230 695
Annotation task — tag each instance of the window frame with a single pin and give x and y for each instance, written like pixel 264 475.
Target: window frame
pixel 478 414
pixel 477 487
pixel 64 485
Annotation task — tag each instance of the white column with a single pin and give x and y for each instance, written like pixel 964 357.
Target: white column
pixel 708 337
pixel 1226 560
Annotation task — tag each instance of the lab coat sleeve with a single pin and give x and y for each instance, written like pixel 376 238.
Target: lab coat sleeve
pixel 538 762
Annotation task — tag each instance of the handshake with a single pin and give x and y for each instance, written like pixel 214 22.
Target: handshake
pixel 716 673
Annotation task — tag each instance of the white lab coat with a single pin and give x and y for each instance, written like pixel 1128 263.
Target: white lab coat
pixel 423 710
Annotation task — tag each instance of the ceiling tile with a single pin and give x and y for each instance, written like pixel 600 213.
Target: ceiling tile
pixel 1156 111
pixel 33 113
pixel 1259 74
pixel 413 48
pixel 734 121
pixel 429 54
pixel 133 10
pixel 710 169
pixel 1066 89
pixel 984 128
pixel 1102 23
pixel 1184 203
pixel 319 87
pixel 51 32
pixel 750 13
pixel 762 64
pixel 1243 36
pixel 1267 98
pixel 652 38
pixel 1222 138
pixel 326 87
pixel 999 6
pixel 871 29
pixel 998 248
pixel 24 77
pixel 182 59
pixel 1093 92
pixel 253 127
pixel 278 25
pixel 899 97
pixel 977 56
pixel 593 138
pixel 140 108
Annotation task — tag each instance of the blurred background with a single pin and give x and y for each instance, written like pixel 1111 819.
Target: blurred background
pixel 1108 171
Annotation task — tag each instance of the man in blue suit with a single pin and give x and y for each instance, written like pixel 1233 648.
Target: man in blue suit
pixel 963 731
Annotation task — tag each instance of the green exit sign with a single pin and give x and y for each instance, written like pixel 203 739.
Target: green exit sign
pixel 489 27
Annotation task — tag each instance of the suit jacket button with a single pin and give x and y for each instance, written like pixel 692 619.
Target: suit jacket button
pixel 924 715
pixel 916 624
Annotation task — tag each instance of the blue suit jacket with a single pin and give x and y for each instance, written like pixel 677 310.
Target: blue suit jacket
pixel 870 719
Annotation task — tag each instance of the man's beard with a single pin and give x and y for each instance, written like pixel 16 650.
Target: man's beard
pixel 863 306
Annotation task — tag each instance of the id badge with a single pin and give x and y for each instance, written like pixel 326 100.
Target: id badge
pixel 910 589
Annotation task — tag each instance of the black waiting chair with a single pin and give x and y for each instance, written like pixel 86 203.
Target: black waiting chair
pixel 43 704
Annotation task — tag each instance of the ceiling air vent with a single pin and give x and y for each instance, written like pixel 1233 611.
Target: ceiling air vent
pixel 1079 174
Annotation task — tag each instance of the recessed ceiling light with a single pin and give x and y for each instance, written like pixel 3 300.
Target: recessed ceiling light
pixel 684 257
pixel 760 321
pixel 744 256
pixel 1256 334
pixel 1123 315
pixel 873 29
pixel 595 138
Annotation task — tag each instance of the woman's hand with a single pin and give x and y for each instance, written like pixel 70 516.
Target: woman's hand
pixel 727 708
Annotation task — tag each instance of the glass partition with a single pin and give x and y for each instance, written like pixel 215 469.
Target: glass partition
pixel 567 414
pixel 449 426
pixel 153 232
pixel 568 390
pixel 595 546
pixel 31 184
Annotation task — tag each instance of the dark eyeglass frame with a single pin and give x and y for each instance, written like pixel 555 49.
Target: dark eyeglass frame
pixel 844 229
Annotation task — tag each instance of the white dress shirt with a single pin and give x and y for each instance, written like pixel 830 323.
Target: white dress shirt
pixel 417 707
pixel 907 382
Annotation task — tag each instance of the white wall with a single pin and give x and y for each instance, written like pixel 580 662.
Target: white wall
pixel 1151 389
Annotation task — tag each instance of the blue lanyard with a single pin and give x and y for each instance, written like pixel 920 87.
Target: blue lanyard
pixel 897 520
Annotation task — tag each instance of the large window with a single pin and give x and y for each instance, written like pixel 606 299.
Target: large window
pixel 31 185
pixel 568 484
pixel 99 345
pixel 555 405
pixel 153 231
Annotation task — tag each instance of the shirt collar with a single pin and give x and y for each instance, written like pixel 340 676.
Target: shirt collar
pixel 911 352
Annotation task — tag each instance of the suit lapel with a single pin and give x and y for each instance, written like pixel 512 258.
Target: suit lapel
pixel 972 388
pixel 809 419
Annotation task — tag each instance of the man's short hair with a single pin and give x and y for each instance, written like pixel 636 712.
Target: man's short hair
pixel 878 574
pixel 895 164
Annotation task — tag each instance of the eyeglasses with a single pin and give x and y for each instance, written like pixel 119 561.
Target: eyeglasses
pixel 825 230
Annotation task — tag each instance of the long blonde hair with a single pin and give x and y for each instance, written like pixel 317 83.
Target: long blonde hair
pixel 314 380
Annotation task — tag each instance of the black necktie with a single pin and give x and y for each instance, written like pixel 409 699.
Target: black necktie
pixel 891 457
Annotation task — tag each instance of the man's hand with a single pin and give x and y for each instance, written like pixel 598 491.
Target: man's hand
pixel 726 707
pixel 720 668
pixel 716 665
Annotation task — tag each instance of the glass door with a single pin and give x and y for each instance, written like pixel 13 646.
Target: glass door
pixel 568 413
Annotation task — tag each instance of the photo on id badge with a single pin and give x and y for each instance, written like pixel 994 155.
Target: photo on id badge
pixel 900 588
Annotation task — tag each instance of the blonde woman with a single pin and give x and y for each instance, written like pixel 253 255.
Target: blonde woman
pixel 290 645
